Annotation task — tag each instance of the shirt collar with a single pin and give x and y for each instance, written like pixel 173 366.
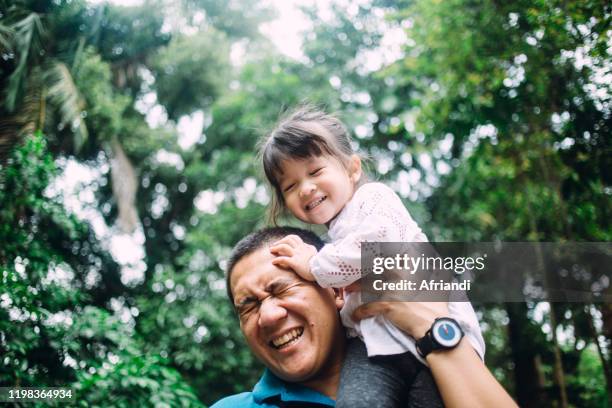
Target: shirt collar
pixel 336 227
pixel 270 386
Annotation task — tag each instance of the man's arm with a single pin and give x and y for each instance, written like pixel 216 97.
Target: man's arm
pixel 464 380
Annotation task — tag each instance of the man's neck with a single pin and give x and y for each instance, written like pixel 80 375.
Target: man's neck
pixel 326 384
pixel 328 380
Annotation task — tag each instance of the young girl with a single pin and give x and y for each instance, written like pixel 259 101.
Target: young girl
pixel 315 174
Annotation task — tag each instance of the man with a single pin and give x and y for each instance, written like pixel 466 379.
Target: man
pixel 293 327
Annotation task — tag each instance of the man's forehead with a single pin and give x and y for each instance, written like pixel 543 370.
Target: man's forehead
pixel 256 270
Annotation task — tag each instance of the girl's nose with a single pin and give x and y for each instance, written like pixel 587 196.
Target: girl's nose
pixel 307 189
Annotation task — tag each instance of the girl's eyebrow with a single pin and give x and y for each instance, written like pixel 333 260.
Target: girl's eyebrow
pixel 282 178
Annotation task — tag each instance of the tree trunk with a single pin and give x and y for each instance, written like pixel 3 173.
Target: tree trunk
pixel 125 186
pixel 606 312
pixel 559 375
pixel 529 393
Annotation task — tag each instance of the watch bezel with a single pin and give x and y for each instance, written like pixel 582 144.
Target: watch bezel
pixel 443 343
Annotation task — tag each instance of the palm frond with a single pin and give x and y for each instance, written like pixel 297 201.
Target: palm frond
pixel 7 35
pixel 23 122
pixel 64 94
pixel 26 39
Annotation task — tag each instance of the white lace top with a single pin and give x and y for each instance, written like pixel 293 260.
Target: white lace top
pixel 377 214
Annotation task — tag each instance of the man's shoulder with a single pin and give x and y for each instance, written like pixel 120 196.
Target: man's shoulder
pixel 244 399
pixel 270 390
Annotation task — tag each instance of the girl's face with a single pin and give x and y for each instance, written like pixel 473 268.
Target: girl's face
pixel 316 189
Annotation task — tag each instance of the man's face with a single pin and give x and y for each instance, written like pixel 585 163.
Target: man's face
pixel 291 325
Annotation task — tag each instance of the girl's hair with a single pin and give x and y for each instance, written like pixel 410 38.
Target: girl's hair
pixel 303 133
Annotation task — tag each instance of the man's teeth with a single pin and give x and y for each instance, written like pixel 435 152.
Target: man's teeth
pixel 315 203
pixel 290 337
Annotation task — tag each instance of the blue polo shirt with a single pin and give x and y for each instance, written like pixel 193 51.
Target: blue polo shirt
pixel 271 391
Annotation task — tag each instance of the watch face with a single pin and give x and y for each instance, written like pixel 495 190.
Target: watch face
pixel 446 332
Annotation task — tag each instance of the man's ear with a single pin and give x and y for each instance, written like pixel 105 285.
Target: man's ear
pixel 339 298
pixel 355 171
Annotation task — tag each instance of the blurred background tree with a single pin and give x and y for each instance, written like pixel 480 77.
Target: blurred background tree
pixel 127 139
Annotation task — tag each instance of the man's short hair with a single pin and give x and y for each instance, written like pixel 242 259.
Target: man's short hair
pixel 259 239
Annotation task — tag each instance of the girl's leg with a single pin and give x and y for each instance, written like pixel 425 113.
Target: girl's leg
pixel 369 382
pixel 422 391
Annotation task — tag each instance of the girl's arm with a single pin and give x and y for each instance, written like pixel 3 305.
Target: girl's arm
pixel 374 214
pixel 461 376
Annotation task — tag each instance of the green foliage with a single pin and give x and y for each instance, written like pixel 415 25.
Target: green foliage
pixel 191 72
pixel 29 294
pixel 130 34
pixel 492 93
pixel 503 84
pixel 125 377
pixel 46 325
pixel 238 18
pixel 104 105
pixel 588 383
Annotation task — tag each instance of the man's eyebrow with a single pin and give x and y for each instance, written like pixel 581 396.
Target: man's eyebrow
pixel 278 284
pixel 243 301
pixel 273 287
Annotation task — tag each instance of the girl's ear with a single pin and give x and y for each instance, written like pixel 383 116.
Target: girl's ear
pixel 355 168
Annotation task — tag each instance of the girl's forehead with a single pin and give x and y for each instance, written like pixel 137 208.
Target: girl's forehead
pixel 297 164
pixel 322 158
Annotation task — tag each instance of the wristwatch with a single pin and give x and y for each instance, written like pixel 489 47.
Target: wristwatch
pixel 445 333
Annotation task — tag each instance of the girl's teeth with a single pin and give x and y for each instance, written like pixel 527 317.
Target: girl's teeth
pixel 316 203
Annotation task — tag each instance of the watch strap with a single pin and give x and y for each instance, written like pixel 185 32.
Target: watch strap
pixel 425 344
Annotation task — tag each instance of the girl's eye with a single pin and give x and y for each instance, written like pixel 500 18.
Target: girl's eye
pixel 289 187
pixel 315 172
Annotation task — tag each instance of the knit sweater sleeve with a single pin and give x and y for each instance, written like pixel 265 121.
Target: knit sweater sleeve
pixel 374 214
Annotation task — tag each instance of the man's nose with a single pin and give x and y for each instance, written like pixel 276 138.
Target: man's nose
pixel 270 312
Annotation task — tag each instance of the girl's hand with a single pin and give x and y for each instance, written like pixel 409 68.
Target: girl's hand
pixel 353 287
pixel 414 318
pixel 293 253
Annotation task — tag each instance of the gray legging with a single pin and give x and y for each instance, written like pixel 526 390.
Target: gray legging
pixel 385 381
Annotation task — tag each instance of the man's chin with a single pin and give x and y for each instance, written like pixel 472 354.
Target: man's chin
pixel 294 374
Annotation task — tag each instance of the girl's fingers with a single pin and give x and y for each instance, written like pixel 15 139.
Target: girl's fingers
pixel 353 287
pixel 291 240
pixel 280 261
pixel 283 241
pixel 283 262
pixel 294 238
pixel 369 310
pixel 281 249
